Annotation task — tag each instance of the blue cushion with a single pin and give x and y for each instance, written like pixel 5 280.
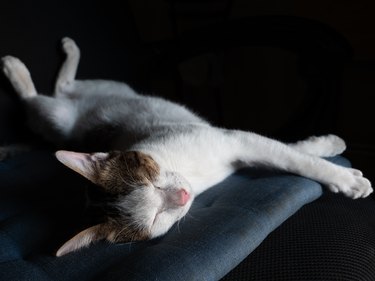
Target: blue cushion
pixel 42 205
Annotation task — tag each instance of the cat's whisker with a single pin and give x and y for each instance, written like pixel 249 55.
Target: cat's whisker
pixel 118 234
pixel 188 214
pixel 131 183
pixel 178 226
pixel 128 172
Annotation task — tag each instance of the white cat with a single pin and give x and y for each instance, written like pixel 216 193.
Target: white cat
pixel 162 155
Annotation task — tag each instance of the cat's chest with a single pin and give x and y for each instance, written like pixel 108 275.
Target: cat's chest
pixel 203 178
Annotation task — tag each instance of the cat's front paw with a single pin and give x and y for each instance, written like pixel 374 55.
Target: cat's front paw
pixel 338 145
pixel 70 47
pixel 354 185
pixel 329 145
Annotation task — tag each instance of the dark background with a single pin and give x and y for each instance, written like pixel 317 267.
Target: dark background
pixel 256 88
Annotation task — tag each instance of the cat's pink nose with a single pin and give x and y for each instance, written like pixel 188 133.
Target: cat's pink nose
pixel 183 197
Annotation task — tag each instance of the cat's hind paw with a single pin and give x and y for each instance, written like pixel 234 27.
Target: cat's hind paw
pixel 70 47
pixel 12 66
pixel 19 76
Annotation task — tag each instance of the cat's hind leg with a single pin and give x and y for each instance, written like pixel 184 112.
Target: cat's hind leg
pixel 322 146
pixel 65 79
pixel 51 117
pixel 19 77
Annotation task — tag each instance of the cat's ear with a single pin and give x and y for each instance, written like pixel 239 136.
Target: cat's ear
pixel 85 238
pixel 82 163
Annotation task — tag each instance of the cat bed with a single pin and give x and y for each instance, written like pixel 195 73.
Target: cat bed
pixel 42 204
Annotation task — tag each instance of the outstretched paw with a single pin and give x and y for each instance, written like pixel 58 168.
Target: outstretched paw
pixel 329 145
pixel 355 186
pixel 321 146
pixel 19 76
pixel 70 47
pixel 337 144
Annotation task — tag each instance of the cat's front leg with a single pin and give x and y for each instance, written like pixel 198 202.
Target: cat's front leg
pixel 19 77
pixel 253 149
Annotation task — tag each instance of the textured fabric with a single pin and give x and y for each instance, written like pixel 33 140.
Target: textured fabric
pixel 331 239
pixel 43 204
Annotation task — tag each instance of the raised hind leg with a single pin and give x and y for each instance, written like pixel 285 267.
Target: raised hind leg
pixel 19 77
pixel 49 116
pixel 65 79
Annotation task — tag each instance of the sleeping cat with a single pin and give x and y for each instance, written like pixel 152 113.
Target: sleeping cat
pixel 161 155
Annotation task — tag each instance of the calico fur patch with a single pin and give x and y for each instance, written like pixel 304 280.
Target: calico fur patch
pixel 122 170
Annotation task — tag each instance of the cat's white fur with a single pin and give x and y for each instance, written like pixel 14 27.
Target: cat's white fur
pixel 190 152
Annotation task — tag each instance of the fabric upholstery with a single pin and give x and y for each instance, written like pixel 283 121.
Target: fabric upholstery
pixel 331 239
pixel 43 204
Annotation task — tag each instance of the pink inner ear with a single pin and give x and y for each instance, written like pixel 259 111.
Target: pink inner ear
pixel 84 238
pixel 70 158
pixel 79 162
pixel 82 163
pixel 61 155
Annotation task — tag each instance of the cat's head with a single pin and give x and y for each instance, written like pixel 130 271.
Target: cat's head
pixel 149 200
